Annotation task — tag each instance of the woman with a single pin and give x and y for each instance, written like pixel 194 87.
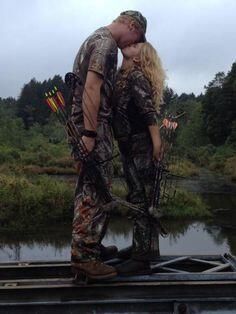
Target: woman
pixel 137 97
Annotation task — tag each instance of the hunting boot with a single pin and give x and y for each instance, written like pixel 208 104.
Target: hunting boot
pixel 133 267
pixel 108 252
pixel 125 253
pixel 94 269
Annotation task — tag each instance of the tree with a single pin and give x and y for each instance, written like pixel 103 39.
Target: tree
pixel 219 110
pixel 31 106
pixel 7 107
pixel 218 80
pixel 191 134
pixel 169 97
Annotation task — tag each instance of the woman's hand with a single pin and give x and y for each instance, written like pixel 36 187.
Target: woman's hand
pixel 157 151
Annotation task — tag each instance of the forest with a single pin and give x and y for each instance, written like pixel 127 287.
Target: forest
pixel 33 147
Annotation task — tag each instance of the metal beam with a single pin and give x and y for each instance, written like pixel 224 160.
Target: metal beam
pixel 217 268
pixel 170 261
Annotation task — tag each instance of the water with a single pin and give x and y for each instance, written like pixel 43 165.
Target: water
pixel 212 236
pixel 184 238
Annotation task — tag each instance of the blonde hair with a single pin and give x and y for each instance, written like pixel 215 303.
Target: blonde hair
pixel 129 21
pixel 151 67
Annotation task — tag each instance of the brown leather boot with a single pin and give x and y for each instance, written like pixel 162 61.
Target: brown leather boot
pixel 94 269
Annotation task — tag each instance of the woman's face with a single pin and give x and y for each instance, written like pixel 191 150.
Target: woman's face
pixel 132 51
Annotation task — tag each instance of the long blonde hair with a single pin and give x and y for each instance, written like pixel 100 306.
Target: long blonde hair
pixel 151 67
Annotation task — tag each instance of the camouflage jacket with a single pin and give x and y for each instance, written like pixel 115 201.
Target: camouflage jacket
pixel 98 53
pixel 133 107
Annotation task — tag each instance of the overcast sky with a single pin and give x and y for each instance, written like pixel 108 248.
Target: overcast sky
pixel 40 38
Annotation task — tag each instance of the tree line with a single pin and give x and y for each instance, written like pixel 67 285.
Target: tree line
pixel 209 121
pixel 209 124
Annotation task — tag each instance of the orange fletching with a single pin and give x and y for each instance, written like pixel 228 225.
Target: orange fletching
pixel 49 104
pixel 60 98
pixel 53 104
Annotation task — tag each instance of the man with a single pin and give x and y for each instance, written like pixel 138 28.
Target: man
pixel 95 64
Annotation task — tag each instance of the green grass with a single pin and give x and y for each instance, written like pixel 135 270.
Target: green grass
pixel 184 168
pixel 28 203
pixel 186 205
pixel 220 159
pixel 230 168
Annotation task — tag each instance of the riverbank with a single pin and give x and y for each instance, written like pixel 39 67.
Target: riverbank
pixel 220 159
pixel 64 165
pixel 31 202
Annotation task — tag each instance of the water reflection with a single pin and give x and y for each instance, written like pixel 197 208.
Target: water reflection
pixel 183 238
pixel 194 238
pixel 47 244
pixel 208 182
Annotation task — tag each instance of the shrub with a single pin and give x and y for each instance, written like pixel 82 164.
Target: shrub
pixel 8 154
pixel 184 168
pixel 230 167
pixel 26 204
pixel 186 204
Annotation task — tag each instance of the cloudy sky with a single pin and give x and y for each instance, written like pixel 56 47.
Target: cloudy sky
pixel 40 38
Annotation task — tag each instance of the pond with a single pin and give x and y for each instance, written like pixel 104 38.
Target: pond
pixel 184 238
pixel 212 236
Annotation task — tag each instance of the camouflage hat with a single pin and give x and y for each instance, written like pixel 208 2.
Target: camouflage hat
pixel 139 18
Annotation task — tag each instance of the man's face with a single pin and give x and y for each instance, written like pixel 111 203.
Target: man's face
pixel 129 37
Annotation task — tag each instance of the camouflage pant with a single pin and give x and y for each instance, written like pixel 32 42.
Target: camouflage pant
pixel 90 220
pixel 138 169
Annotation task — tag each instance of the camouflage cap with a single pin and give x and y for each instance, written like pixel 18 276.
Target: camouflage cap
pixel 139 18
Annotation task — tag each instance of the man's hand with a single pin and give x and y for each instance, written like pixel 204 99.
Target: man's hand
pixel 89 143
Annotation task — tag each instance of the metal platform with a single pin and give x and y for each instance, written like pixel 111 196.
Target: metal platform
pixel 179 284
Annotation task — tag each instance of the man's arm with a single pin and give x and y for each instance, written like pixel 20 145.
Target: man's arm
pixel 91 100
pixel 90 105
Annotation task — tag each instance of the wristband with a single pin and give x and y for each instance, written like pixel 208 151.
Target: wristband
pixel 89 133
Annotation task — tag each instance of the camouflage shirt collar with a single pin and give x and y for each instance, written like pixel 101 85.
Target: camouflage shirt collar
pixel 104 30
pixel 126 72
